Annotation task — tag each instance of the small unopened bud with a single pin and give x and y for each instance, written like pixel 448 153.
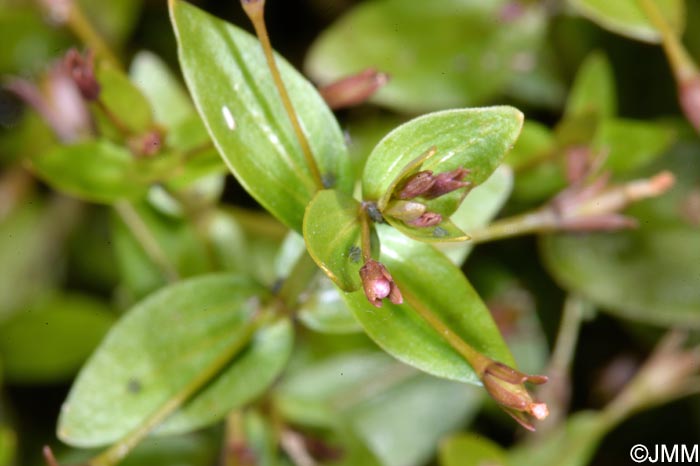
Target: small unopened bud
pixel 689 97
pixel 49 457
pixel 447 182
pixel 378 283
pixel 353 90
pixel 428 219
pixel 505 385
pixel 147 144
pixel 82 70
pixel 416 185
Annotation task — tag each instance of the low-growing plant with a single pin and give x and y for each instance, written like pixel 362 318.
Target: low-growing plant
pixel 227 329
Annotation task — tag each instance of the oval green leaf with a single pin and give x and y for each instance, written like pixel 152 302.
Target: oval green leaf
pixel 160 346
pixel 228 77
pixel 124 100
pixel 476 139
pixel 400 331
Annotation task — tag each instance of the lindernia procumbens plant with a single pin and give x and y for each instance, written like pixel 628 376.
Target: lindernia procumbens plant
pixel 282 143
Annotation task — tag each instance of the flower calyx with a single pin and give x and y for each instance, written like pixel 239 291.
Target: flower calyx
pixel 379 284
pixel 505 385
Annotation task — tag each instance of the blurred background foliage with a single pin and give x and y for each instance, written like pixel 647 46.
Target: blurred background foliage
pixel 69 265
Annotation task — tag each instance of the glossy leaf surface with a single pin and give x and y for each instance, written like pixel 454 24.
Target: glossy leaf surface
pixel 137 368
pixel 423 271
pixel 228 77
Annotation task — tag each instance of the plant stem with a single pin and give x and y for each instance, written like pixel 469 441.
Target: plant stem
pixel 81 27
pixel 145 238
pixel 255 10
pixel 365 235
pixel 114 119
pixel 478 361
pixel 298 280
pixel 119 450
pixel 538 221
pixel 681 63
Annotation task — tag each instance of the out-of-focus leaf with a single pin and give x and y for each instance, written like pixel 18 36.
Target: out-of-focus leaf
pixel 226 73
pixel 630 144
pixel 8 445
pixel 535 142
pixel 31 250
pixel 476 139
pixel 332 235
pixel 136 369
pixel 97 171
pixel 27 43
pixel 478 209
pixel 114 19
pixel 571 445
pixel 400 330
pixel 182 245
pixel 437 54
pixel 171 104
pixel 593 91
pixel 50 340
pixel 364 134
pixel 470 450
pixel 124 100
pixel 648 274
pixel 627 17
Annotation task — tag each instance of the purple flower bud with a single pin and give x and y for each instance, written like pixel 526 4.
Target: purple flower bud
pixel 416 185
pixel 428 219
pixel 447 182
pixel 378 283
pixel 81 70
pixel 689 96
pixel 353 90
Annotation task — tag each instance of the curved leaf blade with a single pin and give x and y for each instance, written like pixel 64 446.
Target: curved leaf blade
pixel 401 332
pixel 159 346
pixel 476 139
pixel 227 75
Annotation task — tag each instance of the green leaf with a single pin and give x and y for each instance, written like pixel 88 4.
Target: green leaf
pixel 478 209
pixel 324 310
pixel 470 450
pixel 534 143
pixel 332 235
pixel 137 369
pixel 476 139
pixel 124 100
pixel 649 274
pixel 115 19
pixel 69 328
pixel 227 75
pixel 626 17
pixel 8 445
pixel 96 171
pixel 171 103
pixel 420 269
pixel 437 53
pixel 445 231
pixel 631 144
pixel 593 91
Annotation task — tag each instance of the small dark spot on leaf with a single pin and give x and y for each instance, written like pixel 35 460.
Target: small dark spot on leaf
pixel 439 232
pixel 328 180
pixel 355 254
pixel 133 386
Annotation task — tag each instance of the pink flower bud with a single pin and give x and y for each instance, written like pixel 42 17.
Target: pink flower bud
pixel 428 219
pixel 353 90
pixel 81 70
pixel 416 185
pixel 447 182
pixel 689 96
pixel 378 283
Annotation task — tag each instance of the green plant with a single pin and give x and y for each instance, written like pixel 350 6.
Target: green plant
pixel 254 320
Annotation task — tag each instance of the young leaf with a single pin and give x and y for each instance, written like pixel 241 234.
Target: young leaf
pixel 162 344
pixel 124 100
pixel 441 287
pixel 228 77
pixel 96 171
pixel 626 17
pixel 593 91
pixel 475 139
